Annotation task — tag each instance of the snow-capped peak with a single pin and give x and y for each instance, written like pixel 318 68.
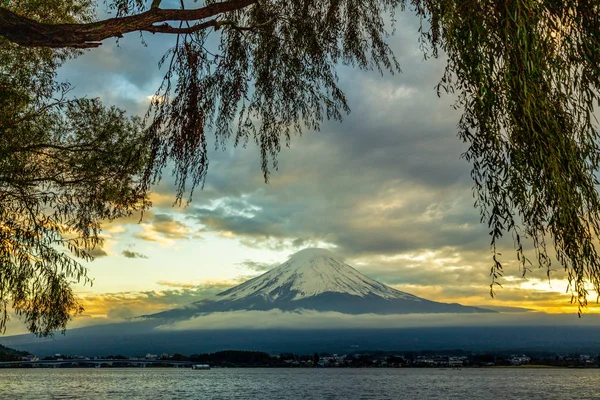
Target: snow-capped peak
pixel 308 273
pixel 311 253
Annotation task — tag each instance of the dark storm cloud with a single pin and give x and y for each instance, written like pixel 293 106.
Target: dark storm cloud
pixel 214 220
pixel 350 223
pixel 389 180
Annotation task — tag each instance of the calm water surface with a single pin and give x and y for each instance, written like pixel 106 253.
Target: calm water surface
pixel 271 384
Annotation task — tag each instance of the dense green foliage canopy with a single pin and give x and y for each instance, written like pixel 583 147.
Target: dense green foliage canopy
pixel 526 74
pixel 66 165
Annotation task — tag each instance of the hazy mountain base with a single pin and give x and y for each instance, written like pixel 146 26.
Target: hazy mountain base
pixel 315 302
pixel 337 302
pixel 8 354
pixel 137 339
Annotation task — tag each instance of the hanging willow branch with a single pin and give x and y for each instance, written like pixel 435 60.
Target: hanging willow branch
pixel 527 74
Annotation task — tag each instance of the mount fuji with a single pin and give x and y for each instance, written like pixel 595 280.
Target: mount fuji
pixel 315 279
pixel 312 302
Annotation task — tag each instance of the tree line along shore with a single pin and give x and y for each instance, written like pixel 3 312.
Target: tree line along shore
pixel 363 359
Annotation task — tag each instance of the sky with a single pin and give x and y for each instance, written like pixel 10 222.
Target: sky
pixel 386 188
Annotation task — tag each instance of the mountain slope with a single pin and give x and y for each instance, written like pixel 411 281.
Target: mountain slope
pixel 309 273
pixel 8 354
pixel 315 279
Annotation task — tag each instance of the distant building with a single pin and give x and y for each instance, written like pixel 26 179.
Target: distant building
pixel 519 359
pixel 584 358
pixel 455 362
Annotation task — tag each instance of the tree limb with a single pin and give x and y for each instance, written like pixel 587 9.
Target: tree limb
pixel 166 28
pixel 27 32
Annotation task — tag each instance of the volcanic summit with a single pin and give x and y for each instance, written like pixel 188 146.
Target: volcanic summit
pixel 316 279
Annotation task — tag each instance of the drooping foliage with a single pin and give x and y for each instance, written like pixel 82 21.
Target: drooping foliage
pixel 66 165
pixel 527 76
pixel 269 71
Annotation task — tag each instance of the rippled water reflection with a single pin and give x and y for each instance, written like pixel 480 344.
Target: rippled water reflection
pixel 167 383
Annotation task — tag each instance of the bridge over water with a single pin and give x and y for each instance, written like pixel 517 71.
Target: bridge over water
pixel 98 363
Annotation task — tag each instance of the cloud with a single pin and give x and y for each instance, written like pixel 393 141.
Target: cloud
pixel 114 229
pixel 164 229
pixel 123 75
pixel 104 247
pixel 98 252
pixel 257 266
pixel 332 320
pixel 123 225
pixel 132 254
pixel 179 285
pixel 388 180
pixel 203 289
pixel 114 307
pixel 507 309
pixel 387 188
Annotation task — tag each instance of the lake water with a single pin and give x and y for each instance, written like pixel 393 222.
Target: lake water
pixel 170 383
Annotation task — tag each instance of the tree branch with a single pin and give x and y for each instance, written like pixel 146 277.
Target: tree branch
pixel 27 32
pixel 166 28
pixel 84 148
